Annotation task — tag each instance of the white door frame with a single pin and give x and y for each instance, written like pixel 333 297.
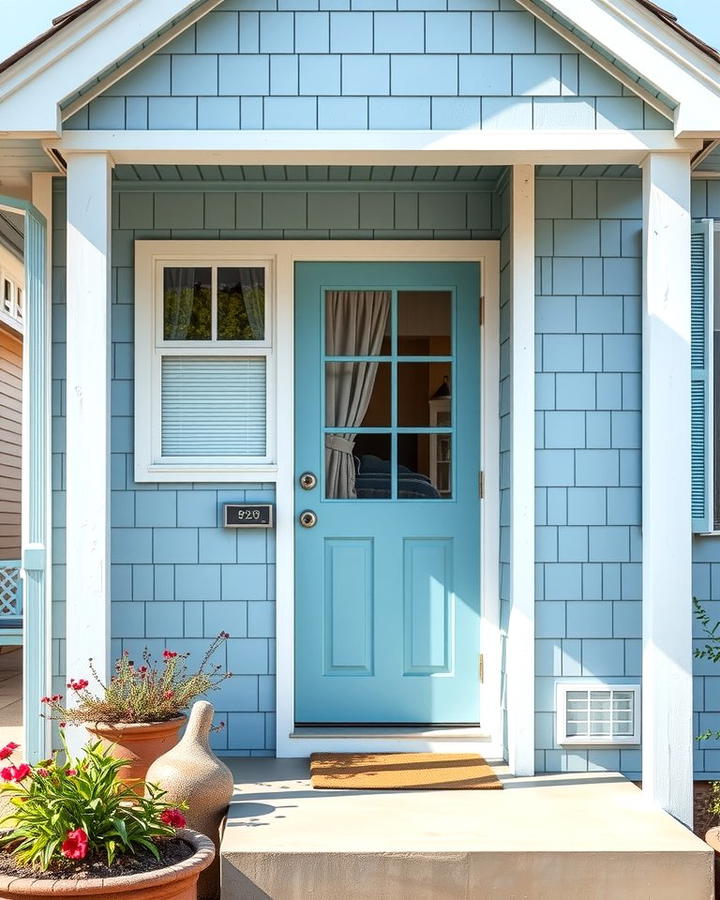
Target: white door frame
pixel 487 254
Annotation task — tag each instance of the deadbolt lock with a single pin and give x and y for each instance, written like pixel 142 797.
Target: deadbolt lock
pixel 308 481
pixel 308 519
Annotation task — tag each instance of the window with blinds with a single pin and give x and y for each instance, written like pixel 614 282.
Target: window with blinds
pixel 204 371
pixel 593 714
pixel 213 406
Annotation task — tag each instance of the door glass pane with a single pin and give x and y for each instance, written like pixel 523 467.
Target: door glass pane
pixel 357 394
pixel 357 323
pixel 187 304
pixel 424 323
pixel 424 466
pixel 423 395
pixel 241 304
pixel 357 467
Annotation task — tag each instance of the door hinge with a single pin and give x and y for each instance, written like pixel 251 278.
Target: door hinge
pixel 482 310
pixel 481 485
pixel 481 667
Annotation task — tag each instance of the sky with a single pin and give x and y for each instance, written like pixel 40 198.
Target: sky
pixel 22 20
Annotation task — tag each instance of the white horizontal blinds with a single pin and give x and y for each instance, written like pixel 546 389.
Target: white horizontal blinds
pixel 701 388
pixel 599 714
pixel 214 406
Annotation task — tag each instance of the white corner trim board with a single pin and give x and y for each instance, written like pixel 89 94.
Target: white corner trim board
pixel 521 628
pixel 667 758
pixel 88 414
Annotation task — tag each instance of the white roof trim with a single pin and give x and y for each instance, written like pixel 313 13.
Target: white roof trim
pixel 32 90
pixel 656 52
pixel 489 147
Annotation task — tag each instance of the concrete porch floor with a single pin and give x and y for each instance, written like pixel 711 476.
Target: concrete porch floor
pixel 589 836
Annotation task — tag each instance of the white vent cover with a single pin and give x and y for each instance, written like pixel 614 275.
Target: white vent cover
pixel 591 714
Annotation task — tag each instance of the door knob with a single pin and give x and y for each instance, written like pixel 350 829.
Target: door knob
pixel 308 519
pixel 308 481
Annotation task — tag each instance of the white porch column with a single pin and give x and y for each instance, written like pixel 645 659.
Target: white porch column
pixel 667 553
pixel 521 627
pixel 88 413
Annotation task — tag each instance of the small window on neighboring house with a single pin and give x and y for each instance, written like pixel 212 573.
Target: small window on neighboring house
pixel 598 714
pixel 204 369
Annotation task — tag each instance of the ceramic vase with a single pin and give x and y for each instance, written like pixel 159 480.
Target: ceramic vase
pixel 139 742
pixel 191 773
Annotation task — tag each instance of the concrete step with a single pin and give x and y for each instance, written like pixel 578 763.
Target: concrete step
pixel 580 836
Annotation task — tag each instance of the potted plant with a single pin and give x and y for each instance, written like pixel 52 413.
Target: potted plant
pixel 139 713
pixel 80 831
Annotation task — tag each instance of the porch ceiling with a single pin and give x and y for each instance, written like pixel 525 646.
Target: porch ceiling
pixel 442 175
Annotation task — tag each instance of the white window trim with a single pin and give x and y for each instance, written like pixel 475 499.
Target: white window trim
pixel 12 270
pixel 561 737
pixel 151 257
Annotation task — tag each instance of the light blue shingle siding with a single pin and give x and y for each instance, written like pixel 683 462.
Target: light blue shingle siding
pixel 503 68
pixel 588 514
pixel 178 578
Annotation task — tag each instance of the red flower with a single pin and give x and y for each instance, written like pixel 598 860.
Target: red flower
pixel 169 654
pixel 7 750
pixel 62 724
pixel 75 845
pixel 173 817
pixel 78 685
pixel 168 695
pixel 15 773
pixel 43 773
pixel 70 772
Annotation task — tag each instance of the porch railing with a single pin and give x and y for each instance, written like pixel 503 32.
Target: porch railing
pixel 11 599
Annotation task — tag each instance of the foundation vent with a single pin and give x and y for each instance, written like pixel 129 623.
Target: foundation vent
pixel 598 714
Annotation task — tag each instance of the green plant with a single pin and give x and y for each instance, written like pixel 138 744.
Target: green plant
pixel 149 692
pixel 711 651
pixel 70 809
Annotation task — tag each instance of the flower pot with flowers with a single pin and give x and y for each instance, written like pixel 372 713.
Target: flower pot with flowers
pixel 139 713
pixel 76 829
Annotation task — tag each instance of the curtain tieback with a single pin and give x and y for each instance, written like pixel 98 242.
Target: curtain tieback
pixel 335 442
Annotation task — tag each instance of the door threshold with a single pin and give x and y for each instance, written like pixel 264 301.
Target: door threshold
pixel 394 732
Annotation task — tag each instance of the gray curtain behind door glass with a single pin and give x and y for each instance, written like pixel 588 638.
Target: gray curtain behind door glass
pixel 355 324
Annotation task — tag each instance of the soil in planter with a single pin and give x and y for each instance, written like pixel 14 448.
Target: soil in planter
pixel 172 851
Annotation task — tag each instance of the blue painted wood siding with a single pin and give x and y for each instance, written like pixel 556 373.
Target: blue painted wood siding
pixel 706 575
pixel 588 438
pixel 382 64
pixel 177 577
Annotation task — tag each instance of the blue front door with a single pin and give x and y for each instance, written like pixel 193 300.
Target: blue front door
pixel 387 379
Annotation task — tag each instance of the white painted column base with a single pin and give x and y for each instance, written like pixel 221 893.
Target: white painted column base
pixel 667 757
pixel 521 626
pixel 88 418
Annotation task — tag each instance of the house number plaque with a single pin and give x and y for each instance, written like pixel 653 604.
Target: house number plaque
pixel 248 515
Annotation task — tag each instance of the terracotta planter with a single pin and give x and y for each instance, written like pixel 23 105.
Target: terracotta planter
pixel 178 882
pixel 141 742
pixel 712 837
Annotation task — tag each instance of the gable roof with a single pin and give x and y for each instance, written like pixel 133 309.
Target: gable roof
pixel 694 96
pixel 61 21
pixel 58 23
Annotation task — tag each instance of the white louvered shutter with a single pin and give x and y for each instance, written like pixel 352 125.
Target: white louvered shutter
pixel 213 406
pixel 701 350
